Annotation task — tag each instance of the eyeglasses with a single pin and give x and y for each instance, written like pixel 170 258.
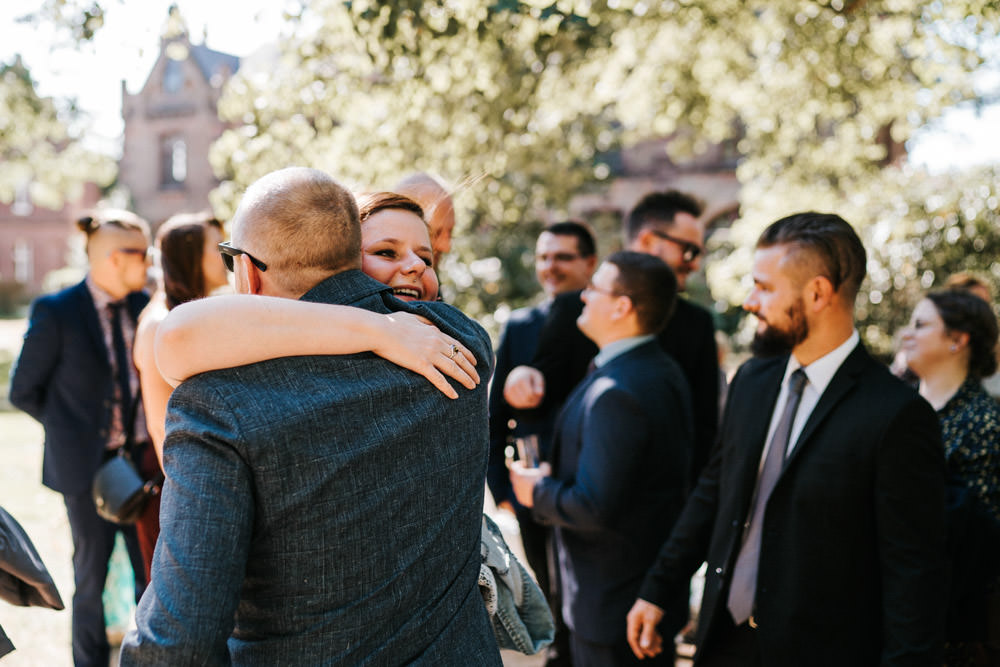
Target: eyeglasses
pixel 689 251
pixel 138 252
pixel 228 252
pixel 591 287
pixel 558 257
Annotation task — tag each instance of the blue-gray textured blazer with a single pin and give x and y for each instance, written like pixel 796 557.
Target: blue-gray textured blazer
pixel 322 510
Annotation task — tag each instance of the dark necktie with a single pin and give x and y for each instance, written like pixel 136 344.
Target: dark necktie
pixel 123 363
pixel 743 586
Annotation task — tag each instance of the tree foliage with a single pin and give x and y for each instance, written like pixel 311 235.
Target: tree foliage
pixel 523 100
pixel 39 148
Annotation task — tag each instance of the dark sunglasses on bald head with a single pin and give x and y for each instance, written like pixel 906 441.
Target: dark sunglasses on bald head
pixel 229 252
pixel 689 251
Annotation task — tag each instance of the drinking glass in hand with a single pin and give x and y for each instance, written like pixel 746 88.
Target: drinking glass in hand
pixel 527 450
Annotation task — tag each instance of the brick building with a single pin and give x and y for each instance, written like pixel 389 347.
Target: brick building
pixel 645 167
pixel 34 241
pixel 170 125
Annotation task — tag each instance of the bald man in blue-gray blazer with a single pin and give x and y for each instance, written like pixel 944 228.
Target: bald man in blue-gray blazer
pixel 319 510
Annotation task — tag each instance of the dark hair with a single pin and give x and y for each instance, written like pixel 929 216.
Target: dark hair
pixel 372 203
pixel 828 242
pixel 126 220
pixel 965 312
pixel 659 208
pixel 181 242
pixel 650 284
pixel 585 244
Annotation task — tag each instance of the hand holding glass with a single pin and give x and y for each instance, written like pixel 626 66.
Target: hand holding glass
pixel 527 450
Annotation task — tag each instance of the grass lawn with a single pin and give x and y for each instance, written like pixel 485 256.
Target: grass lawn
pixel 42 636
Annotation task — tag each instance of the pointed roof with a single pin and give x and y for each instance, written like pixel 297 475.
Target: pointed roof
pixel 212 62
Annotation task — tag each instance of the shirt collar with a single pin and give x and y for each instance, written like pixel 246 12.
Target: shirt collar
pixel 345 287
pixel 101 298
pixel 821 371
pixel 620 347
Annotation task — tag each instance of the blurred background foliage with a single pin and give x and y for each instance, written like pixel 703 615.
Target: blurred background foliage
pixel 41 144
pixel 521 104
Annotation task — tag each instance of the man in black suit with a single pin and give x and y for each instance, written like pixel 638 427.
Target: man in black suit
pixel 665 225
pixel 825 546
pixel 565 257
pixel 75 375
pixel 620 460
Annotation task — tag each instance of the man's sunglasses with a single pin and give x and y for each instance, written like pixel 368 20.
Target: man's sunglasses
pixel 228 252
pixel 689 251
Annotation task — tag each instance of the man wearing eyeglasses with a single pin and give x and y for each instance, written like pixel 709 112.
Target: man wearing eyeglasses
pixel 665 225
pixel 76 377
pixel 565 257
pixel 617 481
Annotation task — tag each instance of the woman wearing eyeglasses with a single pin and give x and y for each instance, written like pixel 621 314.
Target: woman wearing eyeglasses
pixel 396 250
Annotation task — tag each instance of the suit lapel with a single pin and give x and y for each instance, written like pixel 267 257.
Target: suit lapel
pixel 570 411
pixel 843 381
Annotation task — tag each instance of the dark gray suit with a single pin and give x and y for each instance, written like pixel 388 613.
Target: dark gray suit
pixel 322 510
pixel 621 458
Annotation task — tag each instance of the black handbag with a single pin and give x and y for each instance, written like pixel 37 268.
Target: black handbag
pixel 119 491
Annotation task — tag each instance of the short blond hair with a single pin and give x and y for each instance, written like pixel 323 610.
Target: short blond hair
pixel 304 225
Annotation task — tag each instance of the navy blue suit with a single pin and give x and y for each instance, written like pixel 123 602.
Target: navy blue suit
pixel 63 378
pixel 689 338
pixel 621 459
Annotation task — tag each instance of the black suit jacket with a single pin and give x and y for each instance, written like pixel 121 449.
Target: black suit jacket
pixel 620 466
pixel 517 347
pixel 63 379
pixel 852 553
pixel 564 354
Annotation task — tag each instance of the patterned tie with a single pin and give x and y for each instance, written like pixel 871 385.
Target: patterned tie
pixel 123 363
pixel 743 586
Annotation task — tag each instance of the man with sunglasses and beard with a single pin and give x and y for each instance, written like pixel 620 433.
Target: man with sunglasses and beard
pixel 821 511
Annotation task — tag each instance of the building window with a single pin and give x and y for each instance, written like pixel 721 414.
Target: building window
pixel 173 76
pixel 22 205
pixel 173 162
pixel 24 265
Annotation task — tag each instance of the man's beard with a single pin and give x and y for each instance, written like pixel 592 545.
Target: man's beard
pixel 772 341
